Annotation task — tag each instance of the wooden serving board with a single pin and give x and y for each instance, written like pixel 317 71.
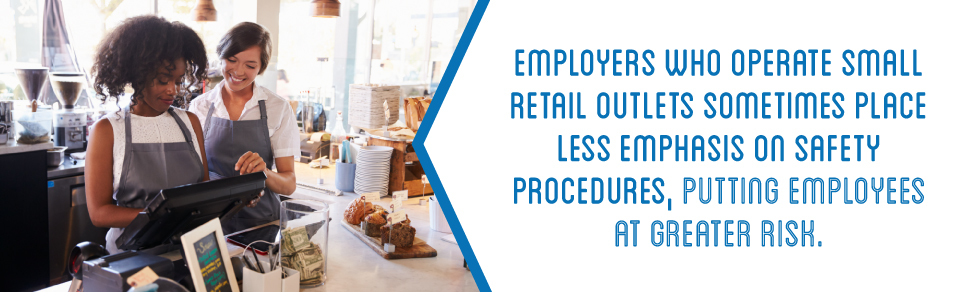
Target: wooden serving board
pixel 418 249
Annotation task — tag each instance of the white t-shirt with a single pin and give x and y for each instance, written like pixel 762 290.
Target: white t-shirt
pixel 159 129
pixel 282 124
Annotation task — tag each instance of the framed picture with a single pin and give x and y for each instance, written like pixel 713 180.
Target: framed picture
pixel 205 253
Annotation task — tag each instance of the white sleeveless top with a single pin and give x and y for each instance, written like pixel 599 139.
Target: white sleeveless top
pixel 159 129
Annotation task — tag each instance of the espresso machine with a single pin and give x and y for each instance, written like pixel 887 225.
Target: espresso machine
pixel 70 124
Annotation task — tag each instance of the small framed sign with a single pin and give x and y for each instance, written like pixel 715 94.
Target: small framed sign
pixel 205 253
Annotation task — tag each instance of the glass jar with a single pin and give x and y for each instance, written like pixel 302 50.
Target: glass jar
pixel 33 127
pixel 304 240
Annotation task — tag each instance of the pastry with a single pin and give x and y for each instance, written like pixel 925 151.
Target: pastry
pixel 373 222
pixel 376 218
pixel 378 208
pixel 357 210
pixel 401 234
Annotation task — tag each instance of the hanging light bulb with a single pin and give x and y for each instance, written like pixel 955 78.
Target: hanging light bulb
pixel 204 11
pixel 326 8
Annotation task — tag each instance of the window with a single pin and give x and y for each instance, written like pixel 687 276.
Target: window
pixel 88 23
pixel 210 32
pixel 397 42
pixel 19 41
pixel 360 41
pixel 409 48
pixel 449 19
pixel 400 43
pixel 305 51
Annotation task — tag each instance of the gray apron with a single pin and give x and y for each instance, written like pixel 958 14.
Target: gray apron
pixel 225 141
pixel 151 167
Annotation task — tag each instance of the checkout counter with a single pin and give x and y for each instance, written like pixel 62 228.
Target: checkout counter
pixel 153 238
pixel 23 211
pixel 44 209
pixel 158 230
pixel 48 209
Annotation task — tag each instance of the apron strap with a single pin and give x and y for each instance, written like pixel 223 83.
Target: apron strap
pixel 267 134
pixel 187 137
pixel 260 105
pixel 184 129
pixel 129 139
pixel 207 122
pixel 128 150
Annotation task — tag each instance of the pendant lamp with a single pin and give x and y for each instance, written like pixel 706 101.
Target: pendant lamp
pixel 326 8
pixel 204 11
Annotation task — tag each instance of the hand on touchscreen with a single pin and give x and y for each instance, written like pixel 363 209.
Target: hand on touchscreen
pixel 250 162
pixel 254 202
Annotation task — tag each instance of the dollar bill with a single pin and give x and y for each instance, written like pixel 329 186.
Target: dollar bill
pixel 311 258
pixel 305 275
pixel 294 239
pixel 311 262
pixel 312 282
pixel 287 261
pixel 286 248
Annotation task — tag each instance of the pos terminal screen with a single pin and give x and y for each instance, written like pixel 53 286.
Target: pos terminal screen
pixel 211 264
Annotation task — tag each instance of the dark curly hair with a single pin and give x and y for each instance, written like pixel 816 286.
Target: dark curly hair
pixel 132 53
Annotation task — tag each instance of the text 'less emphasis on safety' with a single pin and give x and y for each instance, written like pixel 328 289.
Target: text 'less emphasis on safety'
pixel 653 146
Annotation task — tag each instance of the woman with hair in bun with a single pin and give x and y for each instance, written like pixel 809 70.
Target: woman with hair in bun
pixel 248 128
pixel 149 146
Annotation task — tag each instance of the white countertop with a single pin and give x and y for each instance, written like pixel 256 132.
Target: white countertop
pixel 12 147
pixel 355 267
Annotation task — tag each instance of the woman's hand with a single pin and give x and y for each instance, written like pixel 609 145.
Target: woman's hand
pixel 250 162
pixel 254 202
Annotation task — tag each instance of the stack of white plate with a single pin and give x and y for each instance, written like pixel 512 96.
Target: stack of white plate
pixel 374 165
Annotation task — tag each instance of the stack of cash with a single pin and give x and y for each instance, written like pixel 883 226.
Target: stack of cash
pixel 299 253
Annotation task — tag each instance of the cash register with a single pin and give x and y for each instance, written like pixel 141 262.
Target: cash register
pixel 155 232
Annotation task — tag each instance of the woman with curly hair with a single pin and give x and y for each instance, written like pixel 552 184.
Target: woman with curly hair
pixel 248 128
pixel 138 151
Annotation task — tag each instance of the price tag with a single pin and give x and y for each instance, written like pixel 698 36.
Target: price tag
pixel 397 217
pixel 424 179
pixel 144 277
pixel 399 195
pixel 398 199
pixel 366 195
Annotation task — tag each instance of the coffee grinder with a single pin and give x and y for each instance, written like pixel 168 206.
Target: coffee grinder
pixel 70 125
pixel 34 122
pixel 32 81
